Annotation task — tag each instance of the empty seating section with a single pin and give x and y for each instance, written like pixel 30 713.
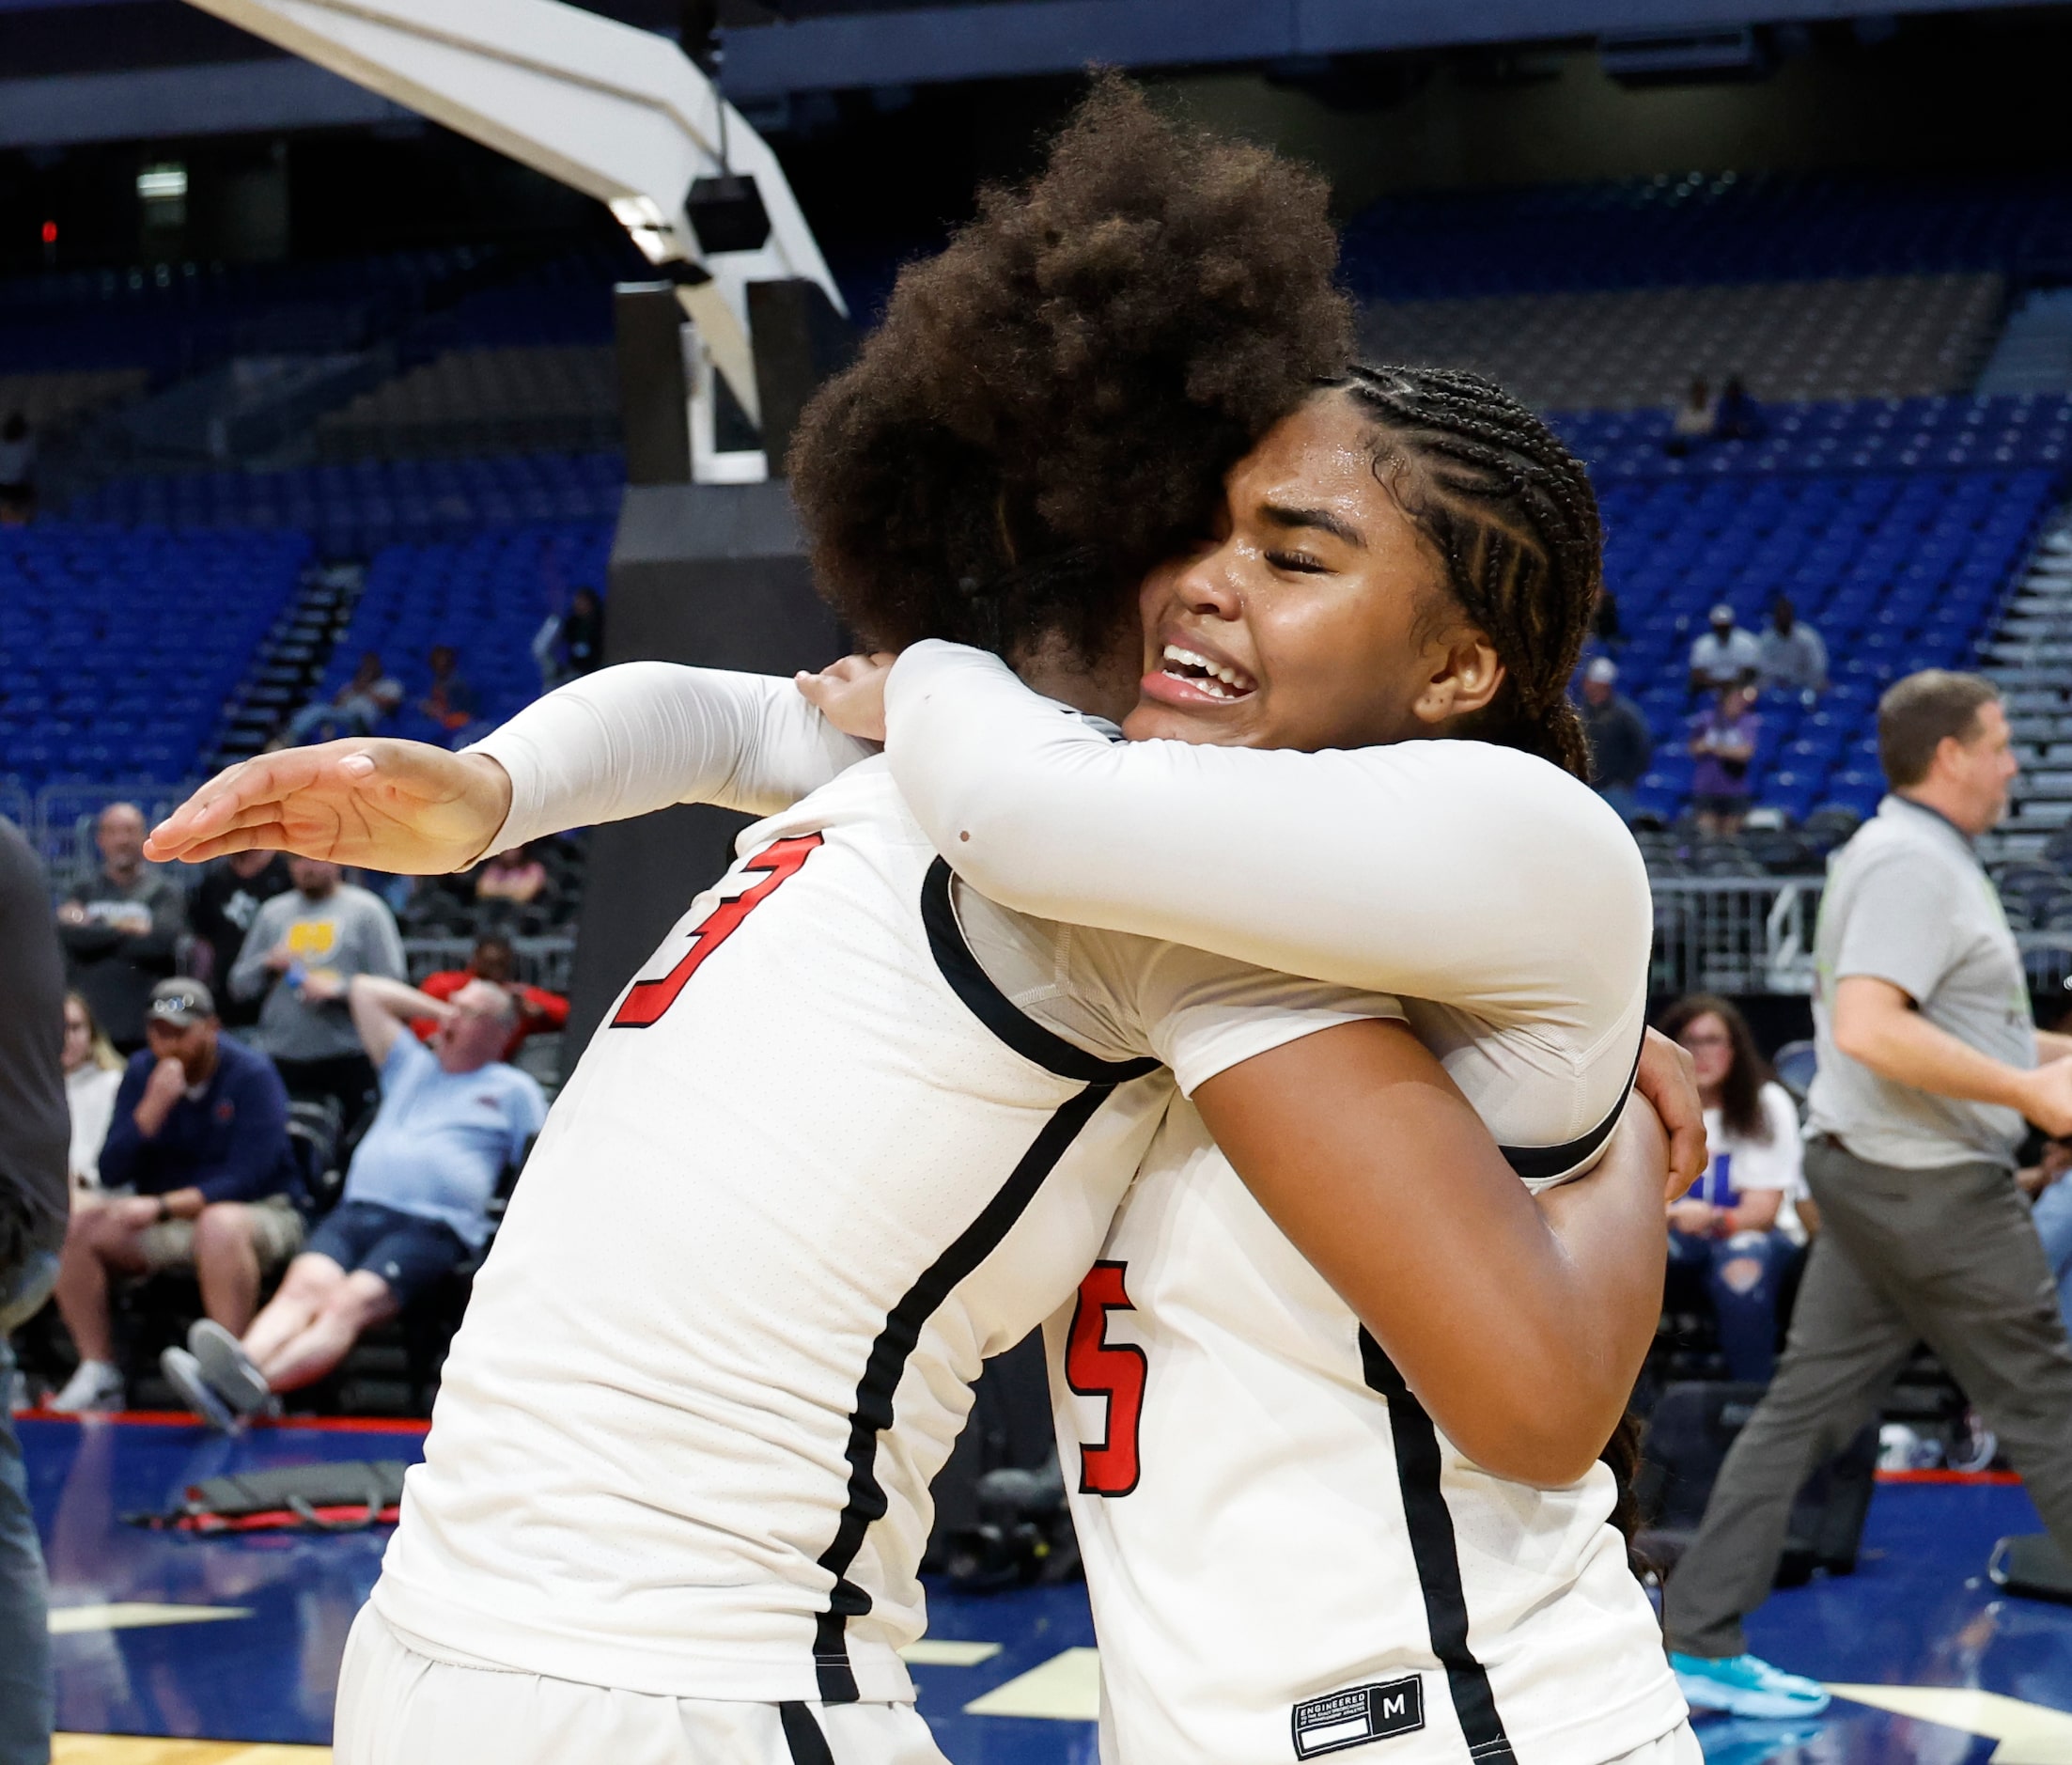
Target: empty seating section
pixel 353 510
pixel 471 401
pixel 1891 337
pixel 50 400
pixel 1672 231
pixel 1896 572
pixel 1884 435
pixel 2035 351
pixel 174 318
pixel 486 596
pixel 118 650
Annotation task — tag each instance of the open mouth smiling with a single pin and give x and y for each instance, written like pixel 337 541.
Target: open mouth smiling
pixel 1187 675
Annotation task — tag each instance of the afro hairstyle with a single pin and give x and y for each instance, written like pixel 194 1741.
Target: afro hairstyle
pixel 1051 405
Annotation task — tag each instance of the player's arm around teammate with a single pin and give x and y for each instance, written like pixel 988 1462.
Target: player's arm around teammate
pixel 1521 1322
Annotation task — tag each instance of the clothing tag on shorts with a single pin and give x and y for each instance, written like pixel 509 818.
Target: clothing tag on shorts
pixel 1353 1718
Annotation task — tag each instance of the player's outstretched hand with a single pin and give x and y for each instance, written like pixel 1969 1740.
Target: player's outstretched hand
pixel 402 806
pixel 850 695
pixel 1669 1080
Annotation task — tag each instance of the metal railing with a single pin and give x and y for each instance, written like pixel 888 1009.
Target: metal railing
pixel 60 820
pixel 2046 956
pixel 1734 935
pixel 545 961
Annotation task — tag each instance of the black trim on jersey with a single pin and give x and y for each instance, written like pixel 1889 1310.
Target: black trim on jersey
pixel 993 1009
pixel 1438 1559
pixel 1538 1163
pixel 872 1413
pixel 803 1739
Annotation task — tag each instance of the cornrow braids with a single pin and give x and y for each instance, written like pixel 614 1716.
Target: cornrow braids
pixel 1512 513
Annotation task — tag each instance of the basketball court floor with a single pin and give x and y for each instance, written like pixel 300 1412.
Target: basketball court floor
pixel 177 1651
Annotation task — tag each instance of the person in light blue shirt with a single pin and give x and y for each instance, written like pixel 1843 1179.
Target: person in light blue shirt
pixel 453 1117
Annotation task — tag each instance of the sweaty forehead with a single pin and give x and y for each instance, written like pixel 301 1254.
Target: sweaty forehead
pixel 1320 456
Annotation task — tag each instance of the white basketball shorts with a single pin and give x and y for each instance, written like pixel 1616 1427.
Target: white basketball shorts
pixel 397 1707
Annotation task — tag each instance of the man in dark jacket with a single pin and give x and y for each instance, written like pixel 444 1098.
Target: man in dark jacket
pixel 34 1133
pixel 120 927
pixel 196 1169
pixel 1620 742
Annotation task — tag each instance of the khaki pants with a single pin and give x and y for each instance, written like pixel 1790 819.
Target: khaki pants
pixel 1948 1256
pixel 276 1235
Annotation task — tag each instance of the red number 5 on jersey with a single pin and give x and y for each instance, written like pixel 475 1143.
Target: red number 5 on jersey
pixel 1097 1367
pixel 779 862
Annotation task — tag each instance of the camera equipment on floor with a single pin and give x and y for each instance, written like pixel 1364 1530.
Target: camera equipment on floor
pixel 1000 1514
pixel 304 1498
pixel 1692 1425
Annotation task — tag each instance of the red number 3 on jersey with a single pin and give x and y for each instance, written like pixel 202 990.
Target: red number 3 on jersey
pixel 779 863
pixel 1097 1367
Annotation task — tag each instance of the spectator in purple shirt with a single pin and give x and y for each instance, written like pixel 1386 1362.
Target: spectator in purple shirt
pixel 197 1171
pixel 1722 740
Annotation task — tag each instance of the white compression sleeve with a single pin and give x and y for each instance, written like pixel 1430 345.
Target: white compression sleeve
pixel 639 737
pixel 1455 871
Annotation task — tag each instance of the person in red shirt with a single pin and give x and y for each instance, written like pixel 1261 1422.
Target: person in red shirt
pixel 494 961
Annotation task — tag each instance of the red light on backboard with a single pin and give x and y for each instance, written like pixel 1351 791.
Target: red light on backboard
pixel 50 232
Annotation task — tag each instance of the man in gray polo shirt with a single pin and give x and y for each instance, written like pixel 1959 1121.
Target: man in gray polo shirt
pixel 1930 1062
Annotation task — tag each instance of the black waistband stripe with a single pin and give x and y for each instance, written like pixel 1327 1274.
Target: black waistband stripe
pixel 1438 1558
pixel 993 1009
pixel 873 1412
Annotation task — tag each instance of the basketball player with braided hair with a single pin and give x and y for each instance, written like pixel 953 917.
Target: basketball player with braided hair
pixel 1512 512
pixel 1280 1543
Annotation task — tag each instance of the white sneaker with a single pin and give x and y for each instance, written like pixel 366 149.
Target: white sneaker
pixel 95 1388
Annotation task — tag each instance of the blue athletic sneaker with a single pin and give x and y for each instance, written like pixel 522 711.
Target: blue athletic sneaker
pixel 1743 1686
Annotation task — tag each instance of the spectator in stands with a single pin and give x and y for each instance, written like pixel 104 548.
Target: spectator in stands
pixel 197 1171
pixel 1604 621
pixel 583 632
pixel 17 470
pixel 515 876
pixel 495 961
pixel 232 891
pixel 449 702
pixel 322 928
pixel 1722 740
pixel 93 1075
pixel 31 1228
pixel 1738 1229
pixel 1726 655
pixel 357 707
pixel 1621 743
pixel 120 926
pixel 1928 1065
pixel 1696 419
pixel 1791 656
pixel 570 643
pixel 1739 417
pixel 453 1117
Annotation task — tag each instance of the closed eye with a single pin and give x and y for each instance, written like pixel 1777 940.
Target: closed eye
pixel 1302 563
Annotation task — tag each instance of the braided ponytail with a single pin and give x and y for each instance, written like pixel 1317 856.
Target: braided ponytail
pixel 1513 515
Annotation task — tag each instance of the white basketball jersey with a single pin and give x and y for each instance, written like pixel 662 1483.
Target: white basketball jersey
pixel 815 1167
pixel 1286 1558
